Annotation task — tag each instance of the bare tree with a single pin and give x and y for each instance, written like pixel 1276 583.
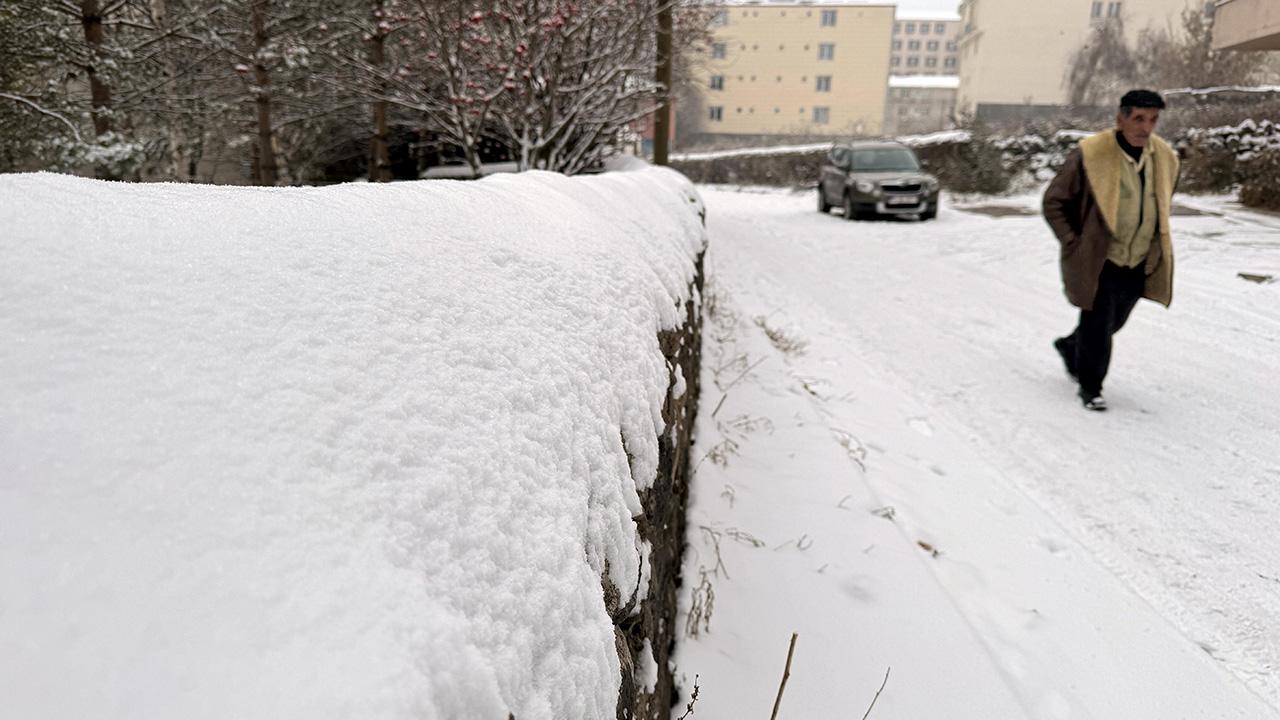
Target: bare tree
pixel 1184 57
pixel 1103 68
pixel 379 157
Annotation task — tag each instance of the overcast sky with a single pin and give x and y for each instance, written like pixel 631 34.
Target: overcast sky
pixel 929 6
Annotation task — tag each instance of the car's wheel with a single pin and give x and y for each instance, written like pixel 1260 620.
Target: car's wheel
pixel 824 207
pixel 850 213
pixel 929 214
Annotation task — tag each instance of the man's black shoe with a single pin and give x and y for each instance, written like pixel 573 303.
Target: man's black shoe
pixel 1093 401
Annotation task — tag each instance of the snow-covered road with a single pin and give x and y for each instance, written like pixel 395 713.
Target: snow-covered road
pixel 1107 565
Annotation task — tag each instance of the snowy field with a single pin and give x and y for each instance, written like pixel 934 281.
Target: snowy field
pixel 893 464
pixel 348 452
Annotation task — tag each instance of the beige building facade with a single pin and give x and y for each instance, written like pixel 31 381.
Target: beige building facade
pixel 797 68
pixel 1246 25
pixel 924 45
pixel 1017 52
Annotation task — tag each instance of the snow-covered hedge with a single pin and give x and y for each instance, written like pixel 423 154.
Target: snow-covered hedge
pixel 358 451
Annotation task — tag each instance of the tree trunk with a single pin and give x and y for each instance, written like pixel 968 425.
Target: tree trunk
pixel 379 158
pixel 267 174
pixel 100 92
pixel 662 116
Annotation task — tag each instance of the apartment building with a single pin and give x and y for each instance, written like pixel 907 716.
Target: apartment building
pixel 1015 54
pixel 1246 25
pixel 925 45
pixel 785 68
pixel 920 104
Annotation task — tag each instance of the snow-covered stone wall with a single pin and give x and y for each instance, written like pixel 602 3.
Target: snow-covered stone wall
pixel 401 451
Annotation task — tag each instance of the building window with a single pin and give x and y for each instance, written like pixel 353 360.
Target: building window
pixel 821 115
pixel 924 28
pixel 913 45
pixel 826 51
pixel 718 51
pixel 897 28
pixel 939 28
pixel 949 62
pixel 932 46
pixel 911 28
pixel 913 61
pixel 717 82
pixel 1113 9
pixel 1097 9
pixel 828 18
pixel 897 45
pixel 824 83
pixel 716 113
pixel 721 19
pixel 931 61
pixel 952 46
pixel 895 61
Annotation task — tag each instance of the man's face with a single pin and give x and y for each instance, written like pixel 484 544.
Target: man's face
pixel 1138 125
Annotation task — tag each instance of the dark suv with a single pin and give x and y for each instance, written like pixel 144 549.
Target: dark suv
pixel 870 178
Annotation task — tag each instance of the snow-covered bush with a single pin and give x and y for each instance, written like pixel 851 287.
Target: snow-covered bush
pixel 1208 168
pixel 1220 158
pixel 357 451
pixel 1260 186
pixel 965 163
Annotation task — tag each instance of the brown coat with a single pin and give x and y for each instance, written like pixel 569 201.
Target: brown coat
pixel 1081 206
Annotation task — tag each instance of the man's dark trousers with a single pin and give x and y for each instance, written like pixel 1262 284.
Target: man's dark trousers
pixel 1119 289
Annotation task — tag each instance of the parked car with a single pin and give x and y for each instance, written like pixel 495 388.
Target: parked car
pixel 870 178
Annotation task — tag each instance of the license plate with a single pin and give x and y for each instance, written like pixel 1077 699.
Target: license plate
pixel 903 200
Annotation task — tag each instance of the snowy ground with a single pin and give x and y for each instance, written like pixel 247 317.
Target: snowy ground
pixel 893 464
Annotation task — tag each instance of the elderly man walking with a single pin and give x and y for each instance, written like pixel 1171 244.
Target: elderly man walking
pixel 1109 207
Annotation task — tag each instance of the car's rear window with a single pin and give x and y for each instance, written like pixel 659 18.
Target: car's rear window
pixel 884 160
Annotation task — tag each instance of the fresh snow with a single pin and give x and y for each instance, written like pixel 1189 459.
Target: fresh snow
pixel 943 82
pixel 359 451
pixel 934 138
pixel 1264 89
pixel 755 152
pixel 892 463
pixel 944 136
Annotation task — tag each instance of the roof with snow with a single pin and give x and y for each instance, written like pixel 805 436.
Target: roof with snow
pixel 942 82
pixel 934 16
pixel 792 3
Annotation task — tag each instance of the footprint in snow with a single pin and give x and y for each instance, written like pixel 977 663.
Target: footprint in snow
pixel 921 425
pixel 1053 545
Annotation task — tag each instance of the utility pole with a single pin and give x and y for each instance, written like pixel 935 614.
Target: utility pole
pixel 662 116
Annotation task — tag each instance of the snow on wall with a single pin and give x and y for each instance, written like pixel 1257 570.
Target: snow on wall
pixel 359 451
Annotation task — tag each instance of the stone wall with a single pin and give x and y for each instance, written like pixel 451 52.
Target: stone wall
pixel 662 526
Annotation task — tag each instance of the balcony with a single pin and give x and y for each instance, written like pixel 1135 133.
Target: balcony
pixel 1246 25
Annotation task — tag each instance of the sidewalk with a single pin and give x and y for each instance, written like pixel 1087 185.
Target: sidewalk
pixel 828 490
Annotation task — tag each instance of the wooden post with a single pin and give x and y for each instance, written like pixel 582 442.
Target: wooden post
pixel 662 116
